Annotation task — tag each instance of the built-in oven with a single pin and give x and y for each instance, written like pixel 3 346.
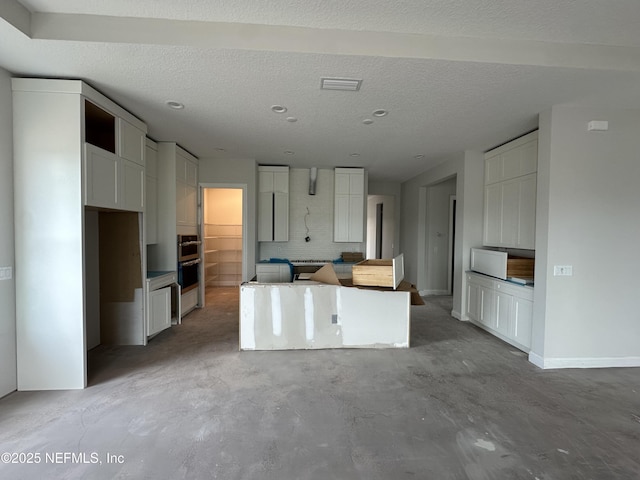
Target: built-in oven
pixel 188 262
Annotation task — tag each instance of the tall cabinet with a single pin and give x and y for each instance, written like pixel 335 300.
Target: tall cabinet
pixel 78 163
pixel 177 210
pixel 349 204
pixel 510 194
pixel 273 203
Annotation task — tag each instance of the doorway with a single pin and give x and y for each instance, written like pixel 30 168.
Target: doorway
pixel 222 237
pixel 380 226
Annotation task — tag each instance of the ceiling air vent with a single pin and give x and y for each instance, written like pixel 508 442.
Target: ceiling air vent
pixel 348 84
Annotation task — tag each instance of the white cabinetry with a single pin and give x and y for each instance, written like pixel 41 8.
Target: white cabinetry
pixel 151 192
pixel 273 204
pixel 159 317
pixel 273 272
pixel 349 205
pixel 510 194
pixel 501 308
pixel 186 189
pixel 51 126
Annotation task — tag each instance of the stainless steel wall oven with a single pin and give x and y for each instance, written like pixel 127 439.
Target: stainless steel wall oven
pixel 188 262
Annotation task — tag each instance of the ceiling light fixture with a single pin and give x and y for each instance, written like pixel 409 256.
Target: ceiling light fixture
pixel 278 109
pixel 380 113
pixel 292 119
pixel 367 121
pixel 346 84
pixel 354 154
pixel 174 105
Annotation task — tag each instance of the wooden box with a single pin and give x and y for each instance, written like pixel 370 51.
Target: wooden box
pixel 379 273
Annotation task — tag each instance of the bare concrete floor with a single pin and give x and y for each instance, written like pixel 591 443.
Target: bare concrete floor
pixel 459 404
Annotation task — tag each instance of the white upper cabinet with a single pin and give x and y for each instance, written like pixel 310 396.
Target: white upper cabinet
pixel 186 188
pixel 349 205
pixel 151 191
pixel 114 159
pixel 273 203
pixel 132 142
pixel 510 194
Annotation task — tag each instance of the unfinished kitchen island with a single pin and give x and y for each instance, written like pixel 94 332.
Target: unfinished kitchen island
pixel 314 315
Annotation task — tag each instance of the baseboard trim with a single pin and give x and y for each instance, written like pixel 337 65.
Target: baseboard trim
pixel 426 293
pixel 458 316
pixel 584 362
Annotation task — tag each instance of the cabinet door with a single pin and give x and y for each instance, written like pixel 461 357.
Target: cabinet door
pixel 265 216
pixel 101 173
pixel 132 191
pixel 151 210
pixel 159 310
pixel 527 212
pixel 493 215
pixel 341 218
pixel 280 217
pixel 132 142
pixel 181 203
pixel 191 205
pixel 503 304
pixel 509 221
pixel 473 300
pixel 356 218
pixel 486 310
pixel 191 174
pixel 522 321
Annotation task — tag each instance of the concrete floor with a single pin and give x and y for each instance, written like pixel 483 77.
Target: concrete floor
pixel 459 404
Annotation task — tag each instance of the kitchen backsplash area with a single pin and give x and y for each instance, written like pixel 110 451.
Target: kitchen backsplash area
pixel 309 216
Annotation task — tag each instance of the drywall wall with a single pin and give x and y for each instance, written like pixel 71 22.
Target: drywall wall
pixel 438 219
pixel 388 226
pixel 237 173
pixel 467 168
pixel 318 218
pixel 393 189
pixel 7 259
pixel 223 206
pixel 311 316
pixel 590 180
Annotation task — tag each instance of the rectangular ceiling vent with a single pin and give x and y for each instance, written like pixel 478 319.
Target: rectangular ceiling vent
pixel 347 84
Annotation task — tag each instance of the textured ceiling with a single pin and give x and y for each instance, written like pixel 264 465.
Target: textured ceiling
pixel 453 77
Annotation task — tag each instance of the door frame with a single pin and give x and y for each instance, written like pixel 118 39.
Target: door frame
pixel 245 221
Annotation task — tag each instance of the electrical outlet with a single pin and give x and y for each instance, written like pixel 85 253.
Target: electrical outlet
pixel 562 270
pixel 6 273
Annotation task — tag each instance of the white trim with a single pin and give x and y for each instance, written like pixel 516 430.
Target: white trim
pixel 426 293
pixel 584 362
pixel 455 314
pixel 451 251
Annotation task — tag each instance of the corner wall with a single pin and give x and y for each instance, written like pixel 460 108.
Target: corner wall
pixel 8 380
pixel 468 169
pixel 588 216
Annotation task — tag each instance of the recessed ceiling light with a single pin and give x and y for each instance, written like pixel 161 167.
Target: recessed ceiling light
pixel 380 113
pixel 278 109
pixel 367 121
pixel 354 154
pixel 348 84
pixel 419 156
pixel 174 105
pixel 288 152
pixel 292 119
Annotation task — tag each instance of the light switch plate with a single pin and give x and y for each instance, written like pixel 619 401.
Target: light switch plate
pixel 6 273
pixel 562 270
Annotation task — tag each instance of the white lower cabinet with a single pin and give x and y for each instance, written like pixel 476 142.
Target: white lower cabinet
pixel 189 301
pixel 273 272
pixel 159 317
pixel 501 308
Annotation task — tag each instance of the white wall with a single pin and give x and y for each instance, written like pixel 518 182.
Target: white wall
pixel 588 216
pixel 319 221
pixel 7 287
pixel 237 172
pixel 438 219
pixel 223 206
pixel 467 168
pixel 393 189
